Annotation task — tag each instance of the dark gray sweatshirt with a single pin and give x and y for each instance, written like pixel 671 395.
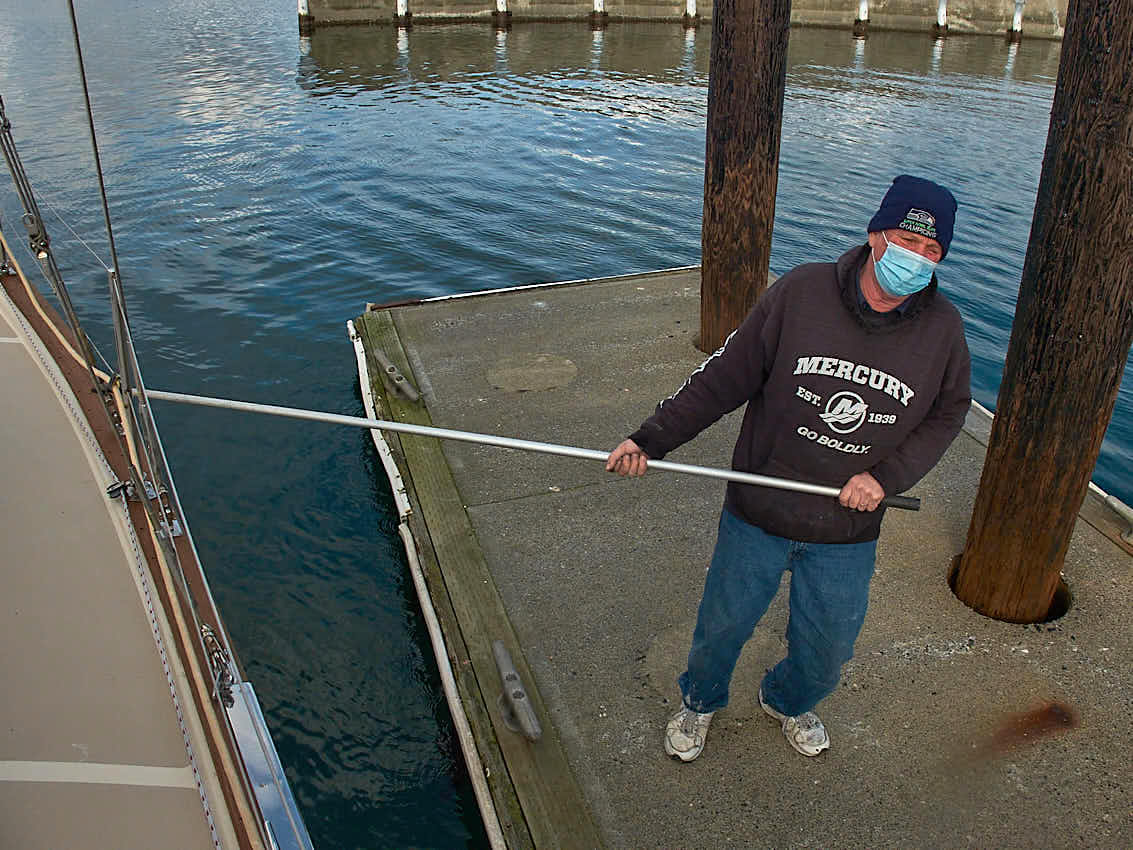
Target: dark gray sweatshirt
pixel 832 389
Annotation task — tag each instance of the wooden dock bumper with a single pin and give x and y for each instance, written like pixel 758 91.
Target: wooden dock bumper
pixel 537 799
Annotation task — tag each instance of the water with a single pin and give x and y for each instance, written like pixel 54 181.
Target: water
pixel 264 189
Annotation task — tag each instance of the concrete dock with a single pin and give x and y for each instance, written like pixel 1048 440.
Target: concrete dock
pixel 938 734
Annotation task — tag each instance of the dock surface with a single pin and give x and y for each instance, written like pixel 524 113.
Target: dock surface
pixel 940 729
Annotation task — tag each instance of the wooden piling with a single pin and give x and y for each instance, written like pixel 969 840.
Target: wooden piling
pixel 1072 332
pixel 746 80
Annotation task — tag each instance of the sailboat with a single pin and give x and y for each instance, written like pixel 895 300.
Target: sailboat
pixel 127 719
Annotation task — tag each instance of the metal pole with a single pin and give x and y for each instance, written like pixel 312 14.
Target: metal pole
pixel 905 502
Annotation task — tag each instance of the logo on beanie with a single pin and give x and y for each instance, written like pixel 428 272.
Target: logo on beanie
pixel 919 221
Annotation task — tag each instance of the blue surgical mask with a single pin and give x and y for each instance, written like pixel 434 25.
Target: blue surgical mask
pixel 902 272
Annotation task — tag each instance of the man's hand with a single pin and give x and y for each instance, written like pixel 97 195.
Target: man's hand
pixel 862 493
pixel 627 459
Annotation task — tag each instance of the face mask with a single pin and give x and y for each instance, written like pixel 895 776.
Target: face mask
pixel 902 272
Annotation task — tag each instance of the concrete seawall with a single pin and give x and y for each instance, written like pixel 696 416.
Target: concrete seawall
pixel 1041 18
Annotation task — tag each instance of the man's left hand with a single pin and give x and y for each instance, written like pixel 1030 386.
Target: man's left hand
pixel 862 493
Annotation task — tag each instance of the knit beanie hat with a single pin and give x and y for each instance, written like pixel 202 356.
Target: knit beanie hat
pixel 919 206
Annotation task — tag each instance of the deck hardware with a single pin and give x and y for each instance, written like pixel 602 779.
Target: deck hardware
pixel 221 665
pixel 151 492
pixel 170 520
pixel 515 708
pixel 1123 511
pixel 169 529
pixel 121 488
pixel 5 268
pixel 37 236
pixel 394 380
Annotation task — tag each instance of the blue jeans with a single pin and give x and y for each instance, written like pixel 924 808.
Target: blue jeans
pixel 829 595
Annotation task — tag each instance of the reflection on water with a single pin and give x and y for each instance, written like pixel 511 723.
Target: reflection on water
pixel 264 189
pixel 375 58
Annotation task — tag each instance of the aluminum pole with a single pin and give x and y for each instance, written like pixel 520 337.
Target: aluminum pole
pixel 906 502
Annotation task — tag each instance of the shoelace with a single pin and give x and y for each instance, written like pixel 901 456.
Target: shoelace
pixel 808 723
pixel 688 722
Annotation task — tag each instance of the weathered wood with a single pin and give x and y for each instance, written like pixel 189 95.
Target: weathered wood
pixel 553 807
pixel 746 80
pixel 381 335
pixel 1072 332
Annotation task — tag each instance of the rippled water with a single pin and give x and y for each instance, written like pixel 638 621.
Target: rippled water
pixel 263 189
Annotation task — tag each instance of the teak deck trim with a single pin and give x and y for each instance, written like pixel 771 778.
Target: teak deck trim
pixel 36 324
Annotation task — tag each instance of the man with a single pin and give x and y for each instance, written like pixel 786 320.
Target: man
pixel 855 374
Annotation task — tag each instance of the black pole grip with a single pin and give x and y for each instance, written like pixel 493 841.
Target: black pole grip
pixel 905 503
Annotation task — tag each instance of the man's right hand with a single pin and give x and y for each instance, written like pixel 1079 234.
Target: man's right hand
pixel 627 459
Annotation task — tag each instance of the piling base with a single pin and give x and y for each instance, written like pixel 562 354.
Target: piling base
pixel 599 20
pixel 306 24
pixel 501 20
pixel 405 21
pixel 861 28
pixel 940 30
pixel 1013 36
pixel 690 21
pixel 1058 607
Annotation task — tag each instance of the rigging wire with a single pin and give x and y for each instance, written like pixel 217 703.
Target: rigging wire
pixel 74 233
pixel 138 441
pixel 165 511
pixel 93 141
pixel 90 343
pixel 38 240
pixel 163 516
pixel 39 196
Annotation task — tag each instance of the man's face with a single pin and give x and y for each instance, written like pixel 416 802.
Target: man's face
pixel 927 248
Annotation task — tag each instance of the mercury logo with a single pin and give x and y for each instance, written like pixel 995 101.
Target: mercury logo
pixel 845 412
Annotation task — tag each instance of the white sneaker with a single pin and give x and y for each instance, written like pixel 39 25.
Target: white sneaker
pixel 804 732
pixel 685 734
